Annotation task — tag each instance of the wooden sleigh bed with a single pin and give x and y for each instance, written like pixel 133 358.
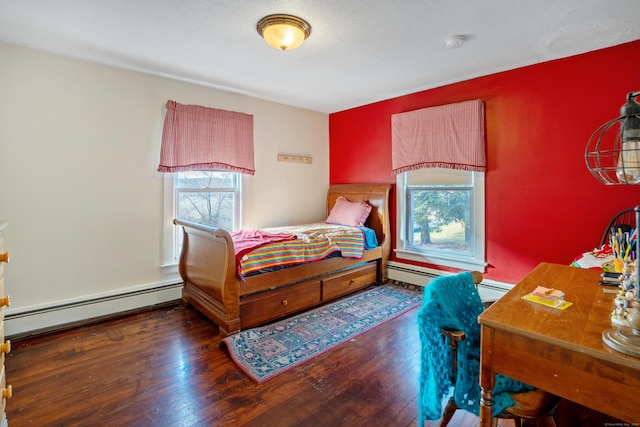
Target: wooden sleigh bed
pixel 212 285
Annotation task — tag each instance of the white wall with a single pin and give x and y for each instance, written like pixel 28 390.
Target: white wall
pixel 79 148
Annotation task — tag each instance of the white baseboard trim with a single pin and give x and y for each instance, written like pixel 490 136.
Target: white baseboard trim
pixel 22 321
pixel 490 290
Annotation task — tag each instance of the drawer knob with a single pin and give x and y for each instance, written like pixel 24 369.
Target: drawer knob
pixel 285 302
pixel 7 392
pixel 4 257
pixel 6 347
pixel 5 301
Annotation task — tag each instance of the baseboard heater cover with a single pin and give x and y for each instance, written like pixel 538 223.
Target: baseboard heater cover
pixel 490 290
pixel 28 321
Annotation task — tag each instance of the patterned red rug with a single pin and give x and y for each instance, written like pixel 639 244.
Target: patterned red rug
pixel 267 351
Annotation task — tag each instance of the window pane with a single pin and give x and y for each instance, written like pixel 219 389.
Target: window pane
pixel 440 220
pixel 214 209
pixel 205 179
pixel 211 198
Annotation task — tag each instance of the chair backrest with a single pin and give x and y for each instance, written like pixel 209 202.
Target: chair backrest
pixel 454 336
pixel 450 303
pixel 624 220
pixel 457 300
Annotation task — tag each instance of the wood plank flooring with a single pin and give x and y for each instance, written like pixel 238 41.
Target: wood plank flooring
pixel 164 368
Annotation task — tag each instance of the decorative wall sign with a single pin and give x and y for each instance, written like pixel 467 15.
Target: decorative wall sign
pixel 295 158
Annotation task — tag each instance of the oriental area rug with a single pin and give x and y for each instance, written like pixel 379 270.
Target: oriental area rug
pixel 267 351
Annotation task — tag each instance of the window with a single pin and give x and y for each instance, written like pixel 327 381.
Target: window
pixel 441 217
pixel 206 198
pixel 210 198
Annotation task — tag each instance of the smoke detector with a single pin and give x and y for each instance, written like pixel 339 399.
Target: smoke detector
pixel 454 42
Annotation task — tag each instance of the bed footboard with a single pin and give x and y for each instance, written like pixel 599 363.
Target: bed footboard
pixel 207 267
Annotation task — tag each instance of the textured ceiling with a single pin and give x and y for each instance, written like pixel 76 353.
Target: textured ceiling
pixel 359 52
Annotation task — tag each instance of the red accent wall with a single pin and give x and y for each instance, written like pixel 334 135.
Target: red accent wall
pixel 542 203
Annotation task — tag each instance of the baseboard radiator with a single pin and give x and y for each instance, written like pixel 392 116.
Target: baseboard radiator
pixel 34 320
pixel 38 319
pixel 490 290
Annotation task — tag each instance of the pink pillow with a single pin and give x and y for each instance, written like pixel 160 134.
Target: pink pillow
pixel 349 213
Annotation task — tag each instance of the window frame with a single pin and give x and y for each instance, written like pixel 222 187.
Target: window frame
pixel 171 236
pixel 475 260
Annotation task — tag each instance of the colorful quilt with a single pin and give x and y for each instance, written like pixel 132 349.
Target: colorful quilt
pixel 313 242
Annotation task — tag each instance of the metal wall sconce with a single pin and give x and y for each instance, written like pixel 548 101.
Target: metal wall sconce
pixel 614 157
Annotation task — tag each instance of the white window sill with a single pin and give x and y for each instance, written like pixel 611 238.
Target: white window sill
pixel 169 267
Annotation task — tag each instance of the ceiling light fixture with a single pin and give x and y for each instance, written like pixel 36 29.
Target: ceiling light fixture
pixel 284 32
pixel 613 152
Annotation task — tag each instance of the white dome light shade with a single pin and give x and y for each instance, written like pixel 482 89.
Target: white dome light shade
pixel 284 32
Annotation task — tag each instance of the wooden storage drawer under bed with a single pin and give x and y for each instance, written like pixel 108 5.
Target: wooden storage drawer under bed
pixel 266 306
pixel 349 281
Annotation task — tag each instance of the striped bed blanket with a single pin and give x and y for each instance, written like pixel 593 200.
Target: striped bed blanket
pixel 312 242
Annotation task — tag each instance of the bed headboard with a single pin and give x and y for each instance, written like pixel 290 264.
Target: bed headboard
pixel 377 195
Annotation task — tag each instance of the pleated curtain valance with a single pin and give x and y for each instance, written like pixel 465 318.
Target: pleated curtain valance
pixel 448 136
pixel 201 138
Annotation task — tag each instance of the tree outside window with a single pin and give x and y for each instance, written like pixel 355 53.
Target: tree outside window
pixel 441 218
pixel 207 198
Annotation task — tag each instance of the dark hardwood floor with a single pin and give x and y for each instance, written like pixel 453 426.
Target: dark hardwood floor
pixel 164 368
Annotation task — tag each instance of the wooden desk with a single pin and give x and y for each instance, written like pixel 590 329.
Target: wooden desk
pixel 559 351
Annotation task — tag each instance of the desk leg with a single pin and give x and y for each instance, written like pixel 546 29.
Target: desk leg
pixel 486 407
pixel 487 377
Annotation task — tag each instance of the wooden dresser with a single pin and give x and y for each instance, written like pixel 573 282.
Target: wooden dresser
pixel 5 346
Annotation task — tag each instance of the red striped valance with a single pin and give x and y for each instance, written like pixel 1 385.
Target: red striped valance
pixel 201 138
pixel 449 136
